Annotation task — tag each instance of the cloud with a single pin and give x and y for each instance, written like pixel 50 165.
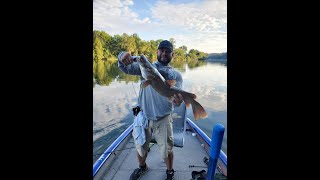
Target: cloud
pixel 207 16
pixel 201 25
pixel 206 41
pixel 128 2
pixel 116 17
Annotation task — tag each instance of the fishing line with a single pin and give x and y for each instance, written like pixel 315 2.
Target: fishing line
pixel 123 149
pixel 134 89
pixel 133 58
pixel 112 151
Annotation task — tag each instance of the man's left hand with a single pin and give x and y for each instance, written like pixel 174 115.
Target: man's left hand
pixel 177 99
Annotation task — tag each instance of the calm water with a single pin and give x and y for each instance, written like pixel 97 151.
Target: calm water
pixel 113 101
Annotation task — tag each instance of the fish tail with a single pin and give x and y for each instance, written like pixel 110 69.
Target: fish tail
pixel 198 110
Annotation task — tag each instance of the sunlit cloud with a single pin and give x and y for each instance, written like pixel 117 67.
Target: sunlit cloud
pixel 203 17
pixel 116 17
pixel 200 25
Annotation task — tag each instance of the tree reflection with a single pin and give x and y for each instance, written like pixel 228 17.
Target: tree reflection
pixel 106 72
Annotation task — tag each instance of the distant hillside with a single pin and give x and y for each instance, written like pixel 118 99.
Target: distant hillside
pixel 217 55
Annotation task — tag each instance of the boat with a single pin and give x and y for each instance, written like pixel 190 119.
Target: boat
pixel 193 156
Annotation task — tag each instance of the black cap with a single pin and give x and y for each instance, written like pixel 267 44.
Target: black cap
pixel 165 44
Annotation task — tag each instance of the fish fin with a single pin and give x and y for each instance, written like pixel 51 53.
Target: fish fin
pixel 184 92
pixel 146 83
pixel 171 83
pixel 198 110
pixel 193 96
pixel 187 104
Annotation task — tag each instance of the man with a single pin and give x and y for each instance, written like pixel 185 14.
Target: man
pixel 156 108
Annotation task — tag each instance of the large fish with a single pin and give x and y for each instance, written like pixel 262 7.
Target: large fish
pixel 166 87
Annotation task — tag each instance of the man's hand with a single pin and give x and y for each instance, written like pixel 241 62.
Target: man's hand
pixel 126 59
pixel 177 99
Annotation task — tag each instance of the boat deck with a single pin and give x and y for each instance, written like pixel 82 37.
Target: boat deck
pixel 125 161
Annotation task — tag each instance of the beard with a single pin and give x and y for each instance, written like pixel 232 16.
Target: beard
pixel 164 62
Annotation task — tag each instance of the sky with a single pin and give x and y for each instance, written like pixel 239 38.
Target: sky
pixel 197 24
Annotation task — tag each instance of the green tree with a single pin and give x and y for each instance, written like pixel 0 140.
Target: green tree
pixel 115 45
pixel 184 48
pixel 153 46
pixel 173 42
pixel 97 50
pixel 106 49
pixel 128 43
pixel 143 47
pixel 138 43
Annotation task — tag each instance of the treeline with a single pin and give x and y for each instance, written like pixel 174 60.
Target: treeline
pixel 217 55
pixel 106 49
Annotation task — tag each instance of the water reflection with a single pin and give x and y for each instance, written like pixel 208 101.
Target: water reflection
pixel 105 72
pixel 209 83
pixel 115 94
pixel 112 106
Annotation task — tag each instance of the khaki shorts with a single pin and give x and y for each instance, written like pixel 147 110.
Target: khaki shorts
pixel 163 134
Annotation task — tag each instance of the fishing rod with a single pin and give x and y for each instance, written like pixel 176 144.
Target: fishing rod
pixel 122 149
pixel 112 151
pixel 135 59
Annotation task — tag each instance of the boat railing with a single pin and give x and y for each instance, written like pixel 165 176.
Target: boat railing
pixel 97 165
pixel 110 149
pixel 222 155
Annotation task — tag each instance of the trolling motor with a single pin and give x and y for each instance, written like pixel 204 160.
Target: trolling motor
pixel 136 110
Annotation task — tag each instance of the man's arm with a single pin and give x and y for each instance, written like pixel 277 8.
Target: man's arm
pixel 131 67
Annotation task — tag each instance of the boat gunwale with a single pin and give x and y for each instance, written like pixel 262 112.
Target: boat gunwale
pixel 208 140
pixel 102 159
pixel 98 164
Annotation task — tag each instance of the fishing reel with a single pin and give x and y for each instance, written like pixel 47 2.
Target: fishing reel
pixel 136 110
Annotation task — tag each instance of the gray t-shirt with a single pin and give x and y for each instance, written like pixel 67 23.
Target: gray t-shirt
pixel 151 102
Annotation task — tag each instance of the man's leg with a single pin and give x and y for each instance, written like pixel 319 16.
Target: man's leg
pixel 142 153
pixel 164 138
pixel 144 149
pixel 142 160
pixel 169 161
pixel 143 168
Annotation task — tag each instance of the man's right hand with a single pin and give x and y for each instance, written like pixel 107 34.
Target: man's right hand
pixel 126 58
